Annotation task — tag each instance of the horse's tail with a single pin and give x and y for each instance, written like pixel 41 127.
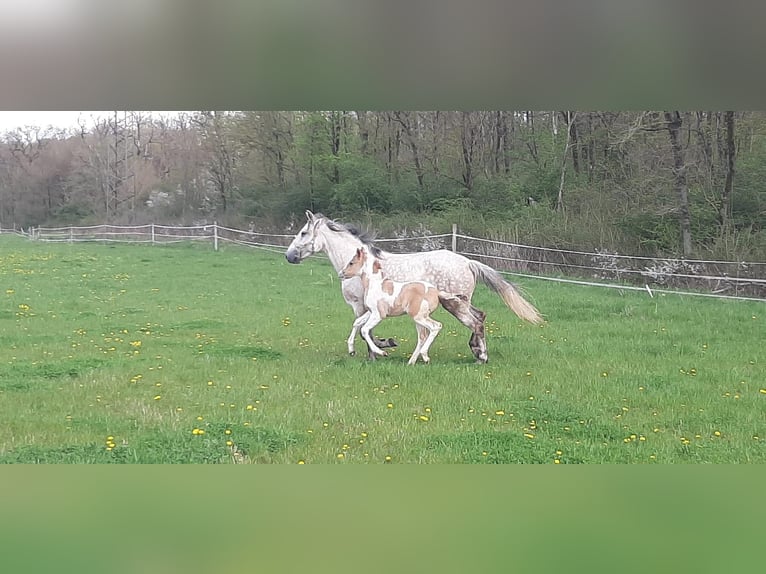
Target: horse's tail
pixel 507 291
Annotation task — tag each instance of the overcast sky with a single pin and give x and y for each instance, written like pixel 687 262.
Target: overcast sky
pixel 43 119
pixel 61 119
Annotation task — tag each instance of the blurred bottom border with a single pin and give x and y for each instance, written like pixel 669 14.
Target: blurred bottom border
pixel 388 519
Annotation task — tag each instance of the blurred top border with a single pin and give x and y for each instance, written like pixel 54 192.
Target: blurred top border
pixel 339 54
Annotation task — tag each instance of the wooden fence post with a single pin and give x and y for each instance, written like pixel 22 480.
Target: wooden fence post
pixel 152 233
pixel 454 237
pixel 215 235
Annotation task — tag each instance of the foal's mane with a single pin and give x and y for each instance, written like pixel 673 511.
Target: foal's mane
pixel 365 236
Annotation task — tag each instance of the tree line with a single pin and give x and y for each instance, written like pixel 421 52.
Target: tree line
pixel 647 182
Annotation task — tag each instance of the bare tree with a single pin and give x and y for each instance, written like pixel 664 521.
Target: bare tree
pixel 725 208
pixel 674 123
pixel 404 119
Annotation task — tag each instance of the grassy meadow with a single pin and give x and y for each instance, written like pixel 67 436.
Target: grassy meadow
pixel 179 354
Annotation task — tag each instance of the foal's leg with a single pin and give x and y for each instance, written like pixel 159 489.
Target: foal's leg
pixel 354 296
pixel 472 318
pixel 373 319
pixel 422 334
pixel 354 330
pixel 432 327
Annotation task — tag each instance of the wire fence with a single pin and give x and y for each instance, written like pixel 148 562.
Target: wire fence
pixel 710 278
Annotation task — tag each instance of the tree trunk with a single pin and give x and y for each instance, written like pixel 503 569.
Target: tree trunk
pixel 674 122
pixel 467 137
pixel 560 199
pixel 408 132
pixel 725 210
pixel 335 128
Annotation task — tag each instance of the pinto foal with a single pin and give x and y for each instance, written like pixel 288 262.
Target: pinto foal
pixel 386 298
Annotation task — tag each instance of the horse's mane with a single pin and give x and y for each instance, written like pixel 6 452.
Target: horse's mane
pixel 365 236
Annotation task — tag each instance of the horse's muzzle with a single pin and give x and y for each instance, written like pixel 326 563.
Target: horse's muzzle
pixel 292 257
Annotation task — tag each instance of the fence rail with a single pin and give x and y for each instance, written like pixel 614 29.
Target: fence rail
pixel 724 279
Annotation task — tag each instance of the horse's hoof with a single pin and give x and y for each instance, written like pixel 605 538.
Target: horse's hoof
pixel 352 353
pixel 392 342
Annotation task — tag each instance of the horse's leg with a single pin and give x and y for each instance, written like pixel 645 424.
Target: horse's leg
pixel 472 318
pixel 354 330
pixel 478 341
pixel 357 304
pixel 422 334
pixel 433 327
pixel 353 294
pixel 372 321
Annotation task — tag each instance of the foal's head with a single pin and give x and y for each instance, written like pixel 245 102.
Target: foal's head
pixel 359 264
pixel 355 266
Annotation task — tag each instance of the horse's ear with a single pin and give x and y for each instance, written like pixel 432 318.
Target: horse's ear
pixel 376 266
pixel 359 251
pixel 309 216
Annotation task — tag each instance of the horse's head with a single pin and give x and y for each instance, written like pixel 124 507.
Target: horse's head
pixel 355 266
pixel 308 241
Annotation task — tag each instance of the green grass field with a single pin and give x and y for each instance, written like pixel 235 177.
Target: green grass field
pixel 149 354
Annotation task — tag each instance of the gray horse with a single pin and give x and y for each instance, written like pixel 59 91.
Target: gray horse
pixel 446 270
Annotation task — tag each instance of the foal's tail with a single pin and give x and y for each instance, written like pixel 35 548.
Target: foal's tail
pixel 507 291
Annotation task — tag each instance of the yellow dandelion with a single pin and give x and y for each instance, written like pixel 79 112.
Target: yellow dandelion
pixel 427 409
pixel 388 458
pixel 364 434
pixel 500 413
pixel 249 407
pixel 390 405
pixel 423 418
pixel 229 443
pixel 484 453
pixel 340 455
pixel 529 435
pixel 301 461
pixel 227 431
pixel 556 461
pixel 210 383
pixel 762 391
pixel 157 397
pixel 717 433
